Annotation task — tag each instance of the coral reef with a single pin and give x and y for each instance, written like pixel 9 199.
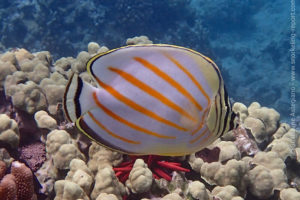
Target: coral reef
pixel 258 160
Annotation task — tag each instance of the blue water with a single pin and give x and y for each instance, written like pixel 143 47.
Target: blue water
pixel 249 40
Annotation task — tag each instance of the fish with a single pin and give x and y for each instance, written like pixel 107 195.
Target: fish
pixel 151 99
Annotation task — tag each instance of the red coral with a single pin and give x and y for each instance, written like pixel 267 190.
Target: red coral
pixel 19 184
pixel 24 180
pixel 161 167
pixel 8 188
pixel 2 169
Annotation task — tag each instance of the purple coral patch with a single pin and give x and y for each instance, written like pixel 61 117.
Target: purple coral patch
pixel 209 155
pixel 33 154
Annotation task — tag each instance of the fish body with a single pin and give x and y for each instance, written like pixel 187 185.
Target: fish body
pixel 151 99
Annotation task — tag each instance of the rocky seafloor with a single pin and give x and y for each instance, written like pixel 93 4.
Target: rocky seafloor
pixel 42 156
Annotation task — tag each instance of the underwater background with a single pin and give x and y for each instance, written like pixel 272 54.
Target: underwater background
pixel 249 40
pixel 253 42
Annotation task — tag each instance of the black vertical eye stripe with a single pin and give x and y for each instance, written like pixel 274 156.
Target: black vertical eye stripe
pixel 65 99
pixel 76 97
pixel 228 109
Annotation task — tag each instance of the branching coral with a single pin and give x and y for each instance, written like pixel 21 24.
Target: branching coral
pixel 228 192
pixel 140 177
pixel 26 96
pixel 172 196
pixel 261 182
pixel 139 40
pixel 107 182
pixel 53 87
pixel 198 190
pixel 100 157
pixel 9 131
pixel 285 146
pixel 64 155
pixel 43 120
pixel 234 173
pixel 268 175
pixel 68 190
pixel 228 151
pixel 62 149
pixel 104 196
pixel 81 175
pixel 6 68
pixel 262 121
pixel 289 194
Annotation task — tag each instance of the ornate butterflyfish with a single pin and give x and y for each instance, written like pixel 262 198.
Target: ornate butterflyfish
pixel 150 99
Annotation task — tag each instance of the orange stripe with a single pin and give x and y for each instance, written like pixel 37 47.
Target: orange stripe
pixel 151 92
pixel 167 78
pixel 109 132
pixel 189 75
pixel 201 123
pixel 136 106
pixel 199 136
pixel 124 121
